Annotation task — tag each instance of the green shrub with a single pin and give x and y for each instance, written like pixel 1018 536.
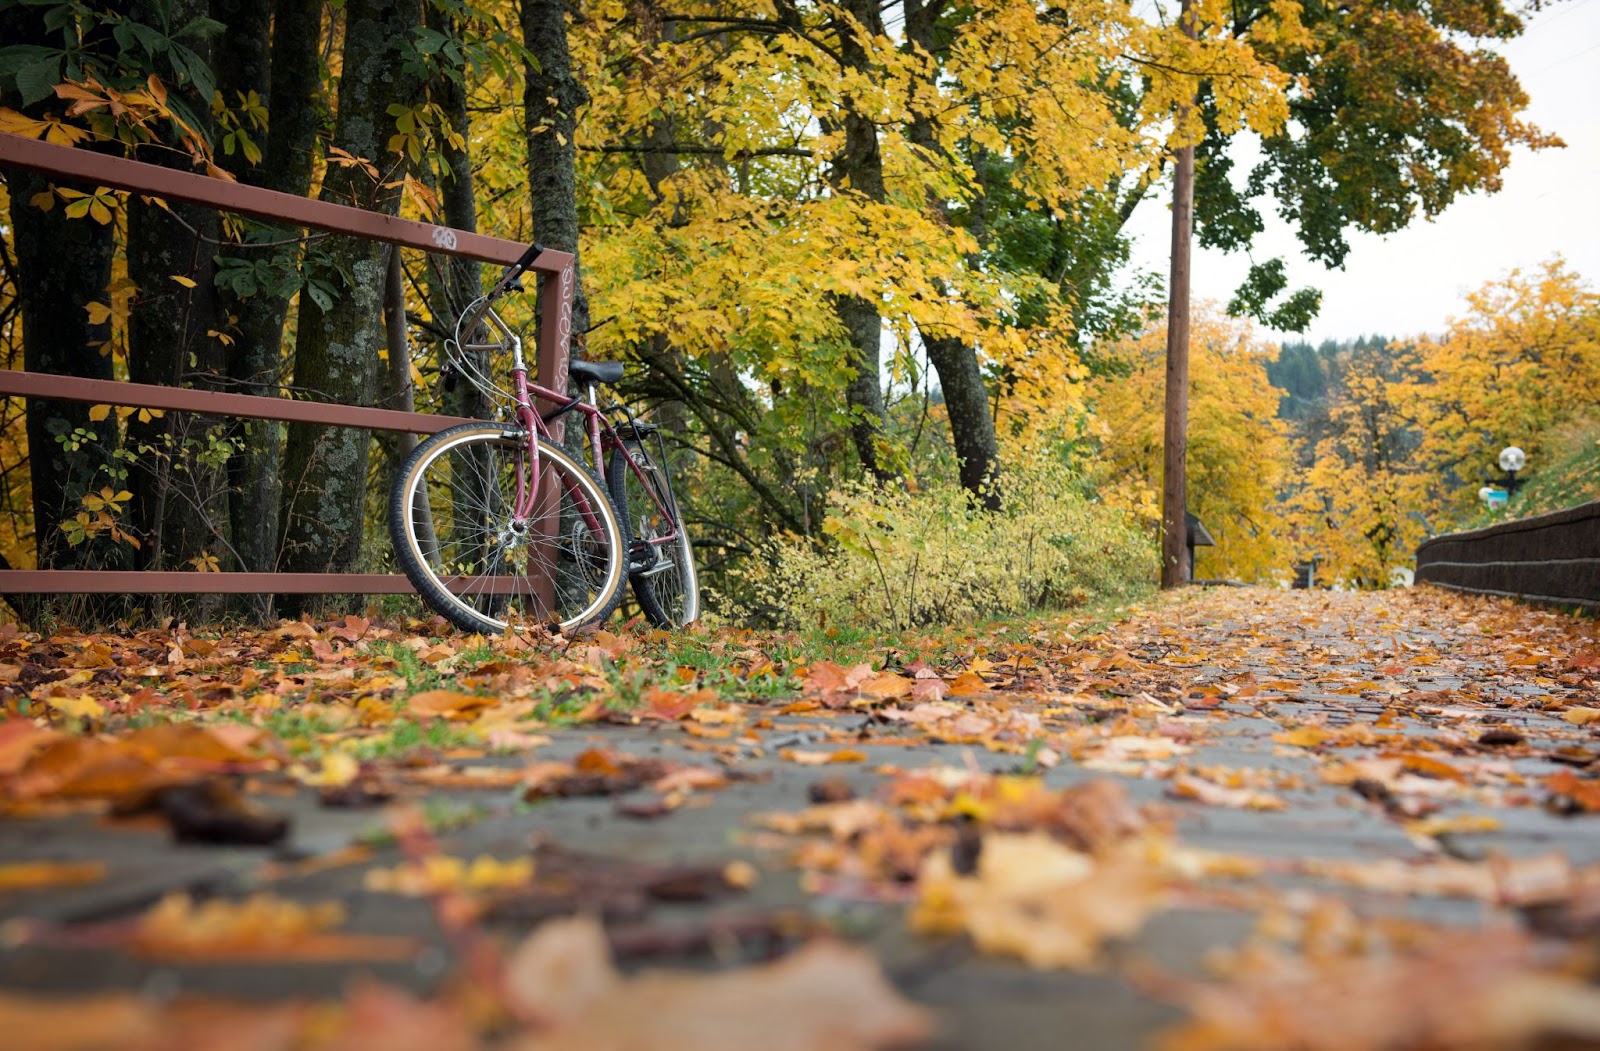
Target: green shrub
pixel 895 558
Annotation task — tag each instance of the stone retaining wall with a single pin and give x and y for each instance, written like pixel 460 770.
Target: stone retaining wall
pixel 1551 558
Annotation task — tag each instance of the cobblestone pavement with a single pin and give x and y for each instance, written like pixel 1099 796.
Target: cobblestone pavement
pixel 1371 763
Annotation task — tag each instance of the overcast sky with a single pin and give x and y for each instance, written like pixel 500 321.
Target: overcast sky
pixel 1413 281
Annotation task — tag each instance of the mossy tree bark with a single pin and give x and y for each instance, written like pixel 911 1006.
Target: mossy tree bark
pixel 283 71
pixel 552 97
pixel 456 281
pixel 966 396
pixel 178 505
pixel 62 265
pixel 337 350
pixel 858 168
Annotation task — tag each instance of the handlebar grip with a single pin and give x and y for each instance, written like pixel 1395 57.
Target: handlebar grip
pixel 527 258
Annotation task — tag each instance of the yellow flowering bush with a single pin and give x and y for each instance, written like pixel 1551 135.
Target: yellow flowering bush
pixel 900 557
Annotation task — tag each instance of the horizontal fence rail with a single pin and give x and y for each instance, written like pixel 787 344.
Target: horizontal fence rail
pixel 1552 558
pixel 219 403
pixel 272 205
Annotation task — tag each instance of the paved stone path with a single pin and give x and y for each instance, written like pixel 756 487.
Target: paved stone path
pixel 1413 727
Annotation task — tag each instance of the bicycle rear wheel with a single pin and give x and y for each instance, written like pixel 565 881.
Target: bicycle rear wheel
pixel 453 517
pixel 660 556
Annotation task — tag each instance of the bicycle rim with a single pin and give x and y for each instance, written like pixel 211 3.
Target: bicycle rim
pixel 485 567
pixel 660 556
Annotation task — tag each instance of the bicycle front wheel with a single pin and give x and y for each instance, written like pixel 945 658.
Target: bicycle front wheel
pixel 660 557
pixel 495 540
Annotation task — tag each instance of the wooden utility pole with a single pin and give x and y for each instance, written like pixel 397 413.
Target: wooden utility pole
pixel 1175 568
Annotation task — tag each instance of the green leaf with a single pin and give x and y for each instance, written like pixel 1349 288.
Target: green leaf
pixel 320 297
pixel 199 28
pixel 429 41
pixel 14 57
pixel 37 80
pixel 199 72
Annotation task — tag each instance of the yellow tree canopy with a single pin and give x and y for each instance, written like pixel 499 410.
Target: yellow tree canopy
pixel 1239 452
pixel 1523 362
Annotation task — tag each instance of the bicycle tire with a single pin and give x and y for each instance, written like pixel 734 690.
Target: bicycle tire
pixel 663 575
pixel 454 546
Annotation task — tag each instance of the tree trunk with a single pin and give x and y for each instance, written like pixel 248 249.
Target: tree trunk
pixel 1175 568
pixel 458 281
pixel 62 266
pixel 552 97
pixel 859 169
pixel 171 262
pixel 256 364
pixel 966 396
pixel 336 350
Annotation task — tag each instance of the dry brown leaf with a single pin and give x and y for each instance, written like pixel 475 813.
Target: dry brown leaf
pixel 824 997
pixel 1469 990
pixel 1037 900
pixel 1508 881
pixel 1186 786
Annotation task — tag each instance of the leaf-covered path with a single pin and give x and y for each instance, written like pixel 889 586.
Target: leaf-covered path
pixel 1235 819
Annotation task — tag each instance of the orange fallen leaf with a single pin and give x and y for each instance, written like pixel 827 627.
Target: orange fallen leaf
pixel 602 761
pixel 19 739
pixel 672 705
pixel 1304 736
pixel 447 703
pixel 731 713
pixel 809 757
pixel 967 684
pixel 261 928
pixel 1583 793
pixel 886 686
pixel 26 875
pixel 111 1020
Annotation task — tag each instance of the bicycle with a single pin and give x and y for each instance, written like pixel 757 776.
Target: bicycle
pixel 497 526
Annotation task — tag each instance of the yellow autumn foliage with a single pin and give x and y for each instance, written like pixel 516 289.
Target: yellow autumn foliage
pixel 1518 367
pixel 1239 451
pixel 897 558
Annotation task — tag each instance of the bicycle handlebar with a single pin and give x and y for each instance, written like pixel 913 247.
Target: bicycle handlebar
pixel 527 257
pixel 507 280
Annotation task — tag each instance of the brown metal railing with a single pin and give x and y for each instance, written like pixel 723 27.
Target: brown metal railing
pixel 555 270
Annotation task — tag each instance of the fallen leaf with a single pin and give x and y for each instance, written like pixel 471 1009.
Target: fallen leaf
pixel 823 997
pixel 1035 899
pixel 447 703
pixel 258 928
pixel 1185 786
pixel 82 707
pixel 27 875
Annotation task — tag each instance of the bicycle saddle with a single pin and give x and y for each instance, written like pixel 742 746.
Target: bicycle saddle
pixel 595 371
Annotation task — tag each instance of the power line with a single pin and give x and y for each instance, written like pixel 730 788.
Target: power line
pixel 1564 61
pixel 1553 18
